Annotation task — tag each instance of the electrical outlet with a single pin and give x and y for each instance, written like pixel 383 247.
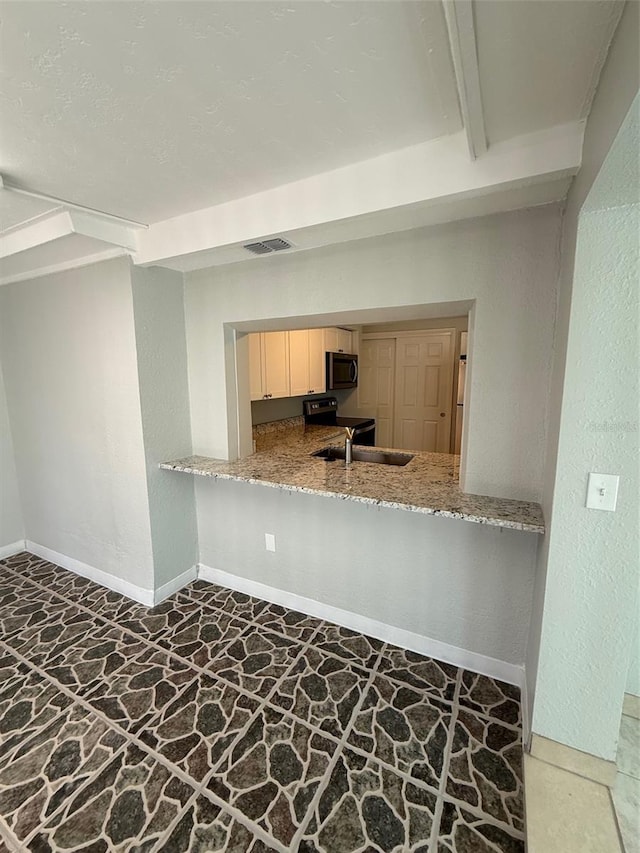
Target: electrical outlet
pixel 602 491
pixel 270 541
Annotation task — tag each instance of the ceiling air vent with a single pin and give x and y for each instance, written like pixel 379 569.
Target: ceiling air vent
pixel 277 244
pixel 265 247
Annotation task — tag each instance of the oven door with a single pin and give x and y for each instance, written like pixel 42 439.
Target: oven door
pixel 365 435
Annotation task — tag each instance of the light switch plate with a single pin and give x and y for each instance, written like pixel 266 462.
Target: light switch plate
pixel 270 541
pixel 602 491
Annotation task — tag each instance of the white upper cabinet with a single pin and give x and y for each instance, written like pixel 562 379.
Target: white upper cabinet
pixel 255 367
pixel 337 340
pixel 269 365
pixel 307 362
pixel 275 364
pixel 293 364
pixel 317 362
pixel 299 362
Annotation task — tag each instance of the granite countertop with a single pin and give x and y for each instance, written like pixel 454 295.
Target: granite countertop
pixel 428 484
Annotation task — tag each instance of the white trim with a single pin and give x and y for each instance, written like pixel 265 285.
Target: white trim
pixel 137 593
pixel 13 548
pixel 63 266
pixel 36 232
pixel 12 188
pixel 175 584
pixel 462 40
pixel 509 672
pixel 90 225
pixel 524 705
pixel 408 333
pixel 17 226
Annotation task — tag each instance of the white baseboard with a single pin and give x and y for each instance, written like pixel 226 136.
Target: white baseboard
pixel 524 705
pixel 509 672
pixel 174 585
pixel 13 548
pixel 137 593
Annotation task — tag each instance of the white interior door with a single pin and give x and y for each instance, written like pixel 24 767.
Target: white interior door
pixel 424 377
pixel 376 373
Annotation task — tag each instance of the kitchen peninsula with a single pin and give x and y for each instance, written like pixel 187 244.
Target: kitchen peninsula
pixel 427 484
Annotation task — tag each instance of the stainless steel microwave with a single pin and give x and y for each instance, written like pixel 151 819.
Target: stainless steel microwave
pixel 342 371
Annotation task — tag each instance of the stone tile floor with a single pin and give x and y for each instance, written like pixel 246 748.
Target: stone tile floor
pixel 626 790
pixel 216 721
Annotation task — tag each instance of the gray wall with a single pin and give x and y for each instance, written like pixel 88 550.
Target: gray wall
pixel 616 89
pixel 508 264
pixel 68 352
pixel 459 583
pixel 455 582
pixel 158 304
pixel 591 600
pixel 11 523
pixel 633 677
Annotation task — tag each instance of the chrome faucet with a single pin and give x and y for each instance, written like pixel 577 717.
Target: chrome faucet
pixel 348 446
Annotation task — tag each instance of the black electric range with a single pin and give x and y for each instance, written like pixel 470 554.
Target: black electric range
pixel 324 412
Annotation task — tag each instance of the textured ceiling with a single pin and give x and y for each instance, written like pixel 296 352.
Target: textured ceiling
pixel 148 110
pixel 539 62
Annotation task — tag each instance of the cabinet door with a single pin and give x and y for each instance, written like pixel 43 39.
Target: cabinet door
pixel 344 340
pixel 255 366
pixel 275 363
pixel 331 340
pixel 299 362
pixel 317 362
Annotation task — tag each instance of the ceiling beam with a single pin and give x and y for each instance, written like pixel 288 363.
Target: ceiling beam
pixel 69 205
pixel 428 174
pixel 36 232
pixel 462 39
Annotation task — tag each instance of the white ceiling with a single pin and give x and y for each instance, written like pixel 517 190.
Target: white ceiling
pixel 539 62
pixel 148 110
pixel 218 123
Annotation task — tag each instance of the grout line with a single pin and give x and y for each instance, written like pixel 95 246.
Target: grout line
pixel 67 800
pixel 7 836
pixel 160 843
pixel 236 814
pixel 443 795
pixel 616 821
pixel 572 772
pixel 112 724
pixel 254 716
pixel 156 645
pixel 474 811
pixel 622 773
pixel 130 740
pixel 437 815
pixel 200 787
pixel 134 737
pixel 248 623
pixel 324 781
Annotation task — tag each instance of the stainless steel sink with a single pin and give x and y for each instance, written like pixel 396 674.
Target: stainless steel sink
pixel 359 454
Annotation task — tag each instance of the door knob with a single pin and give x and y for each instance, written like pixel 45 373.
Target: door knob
pixel 442 414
